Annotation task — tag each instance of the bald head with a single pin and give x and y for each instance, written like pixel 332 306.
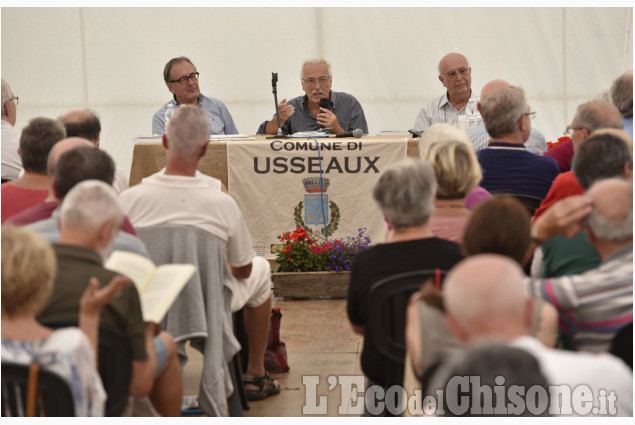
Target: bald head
pixel 450 60
pixel 485 296
pixel 491 87
pixel 59 148
pixel 82 123
pixel 612 216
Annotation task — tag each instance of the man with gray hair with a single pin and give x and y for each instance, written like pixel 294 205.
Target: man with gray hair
pixel 507 166
pixel 536 142
pixel 85 123
pixel 593 305
pixel 36 141
pixel 181 78
pixel 11 162
pixel 89 219
pixel 486 298
pixel 310 113
pixel 622 97
pixel 405 194
pixel 181 195
pixel 455 74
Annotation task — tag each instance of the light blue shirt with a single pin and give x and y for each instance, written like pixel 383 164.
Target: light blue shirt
pixel 536 142
pixel 628 125
pixel 440 110
pixel 47 229
pixel 220 120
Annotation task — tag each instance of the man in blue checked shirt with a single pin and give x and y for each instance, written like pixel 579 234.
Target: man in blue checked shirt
pixel 305 113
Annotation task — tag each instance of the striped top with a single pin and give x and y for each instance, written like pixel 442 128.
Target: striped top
pixel 439 110
pixel 594 305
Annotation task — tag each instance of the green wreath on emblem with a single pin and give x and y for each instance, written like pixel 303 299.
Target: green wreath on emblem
pixel 330 228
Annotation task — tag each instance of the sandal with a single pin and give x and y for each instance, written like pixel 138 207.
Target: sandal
pixel 268 386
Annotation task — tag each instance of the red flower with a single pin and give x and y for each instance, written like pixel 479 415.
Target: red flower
pixel 287 248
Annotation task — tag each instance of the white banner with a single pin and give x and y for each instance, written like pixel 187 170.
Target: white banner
pixel 277 186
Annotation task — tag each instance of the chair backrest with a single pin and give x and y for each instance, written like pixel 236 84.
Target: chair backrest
pixel 115 364
pixel 530 202
pixel 54 397
pixel 388 299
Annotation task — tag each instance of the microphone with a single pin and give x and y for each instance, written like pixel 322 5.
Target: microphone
pixel 324 103
pixel 357 133
pixel 274 81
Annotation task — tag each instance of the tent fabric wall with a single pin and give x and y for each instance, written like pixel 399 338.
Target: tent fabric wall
pixel 111 59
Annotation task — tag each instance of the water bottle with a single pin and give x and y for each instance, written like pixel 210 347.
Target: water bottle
pixel 169 111
pixel 472 118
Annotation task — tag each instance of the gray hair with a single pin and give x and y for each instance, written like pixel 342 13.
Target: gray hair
pixel 441 132
pixel 405 193
pixel 620 227
pixel 7 94
pixel 622 93
pixel 90 205
pixel 596 114
pixel 315 61
pixel 167 69
pixel 188 130
pixel 502 110
pixel 602 156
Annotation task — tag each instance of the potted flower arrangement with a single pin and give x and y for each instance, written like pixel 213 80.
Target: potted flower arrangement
pixel 310 266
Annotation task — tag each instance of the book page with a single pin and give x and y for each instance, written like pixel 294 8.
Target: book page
pixel 138 268
pixel 162 290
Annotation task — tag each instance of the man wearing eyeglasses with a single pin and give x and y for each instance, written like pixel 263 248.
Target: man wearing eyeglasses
pixel 456 76
pixel 11 162
pixel 304 113
pixel 507 166
pixel 181 77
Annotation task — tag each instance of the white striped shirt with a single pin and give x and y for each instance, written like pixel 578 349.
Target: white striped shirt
pixel 439 110
pixel 536 142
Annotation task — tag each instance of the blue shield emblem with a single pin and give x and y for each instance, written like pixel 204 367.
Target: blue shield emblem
pixel 316 208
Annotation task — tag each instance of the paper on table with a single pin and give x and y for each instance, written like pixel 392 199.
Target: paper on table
pixel 305 134
pixel 230 137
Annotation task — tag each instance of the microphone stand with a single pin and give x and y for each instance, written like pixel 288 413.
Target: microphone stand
pixel 274 81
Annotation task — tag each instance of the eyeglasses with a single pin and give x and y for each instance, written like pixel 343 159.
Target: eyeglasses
pixel 531 115
pixel 184 80
pixel 453 74
pixel 569 130
pixel 313 81
pixel 16 98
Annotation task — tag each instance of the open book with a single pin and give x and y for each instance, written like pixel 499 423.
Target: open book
pixel 158 287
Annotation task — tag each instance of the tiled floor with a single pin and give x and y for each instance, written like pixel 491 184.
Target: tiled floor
pixel 320 343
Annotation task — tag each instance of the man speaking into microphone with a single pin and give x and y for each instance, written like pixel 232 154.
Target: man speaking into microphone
pixel 320 108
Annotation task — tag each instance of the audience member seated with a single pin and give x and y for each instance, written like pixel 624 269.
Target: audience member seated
pixel 28 270
pixel 479 138
pixel 590 117
pixel 44 209
pixel 11 162
pixel 498 367
pixel 506 164
pixel 445 132
pixel 457 173
pixel 89 219
pixel 202 204
pixel 36 141
pixel 85 123
pixel 486 298
pixel 622 97
pixel 405 194
pixel 499 226
pixel 593 305
pixel 74 166
pixel 607 153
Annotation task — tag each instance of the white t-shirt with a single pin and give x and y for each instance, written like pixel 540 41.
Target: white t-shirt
pixel 11 161
pixel 193 201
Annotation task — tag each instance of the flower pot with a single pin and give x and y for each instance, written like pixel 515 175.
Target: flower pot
pixel 331 285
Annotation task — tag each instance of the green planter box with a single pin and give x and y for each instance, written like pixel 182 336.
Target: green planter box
pixel 330 285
